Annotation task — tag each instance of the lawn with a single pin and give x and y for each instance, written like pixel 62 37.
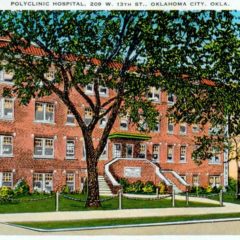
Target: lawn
pixel 123 221
pixel 48 205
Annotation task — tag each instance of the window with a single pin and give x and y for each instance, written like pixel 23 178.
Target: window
pixel 103 91
pixel 43 182
pixel 183 153
pixel 170 99
pixel 44 112
pixel 89 89
pixel 70 118
pixel 129 151
pixel 157 127
pixel 103 120
pixel 6 76
pixel 70 149
pixel 117 150
pixel 88 116
pixel 83 151
pixel 183 128
pixel 142 151
pixel 155 152
pixel 104 154
pixel 195 181
pixel 215 159
pixel 195 128
pixel 170 125
pixel 214 181
pixel 70 181
pixel 43 148
pixel 184 177
pixel 154 94
pixel 170 153
pixel 6 108
pixel 6 145
pixel 124 123
pixel 50 75
pixel 6 179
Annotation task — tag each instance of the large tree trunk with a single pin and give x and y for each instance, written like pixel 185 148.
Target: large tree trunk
pixel 93 199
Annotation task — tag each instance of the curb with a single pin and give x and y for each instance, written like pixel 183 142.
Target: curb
pixel 125 226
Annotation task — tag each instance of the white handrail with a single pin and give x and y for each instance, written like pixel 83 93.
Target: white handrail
pixel 180 179
pixel 108 173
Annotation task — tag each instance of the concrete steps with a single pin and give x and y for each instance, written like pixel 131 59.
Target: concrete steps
pixel 104 189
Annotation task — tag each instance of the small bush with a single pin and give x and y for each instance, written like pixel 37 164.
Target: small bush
pixel 6 194
pixel 21 188
pixel 162 188
pixel 124 183
pixel 232 185
pixel 66 189
pixel 209 189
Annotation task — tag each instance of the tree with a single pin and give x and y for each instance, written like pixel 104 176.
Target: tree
pixel 125 51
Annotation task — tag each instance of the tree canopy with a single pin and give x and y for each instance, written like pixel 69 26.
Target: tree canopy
pixel 127 52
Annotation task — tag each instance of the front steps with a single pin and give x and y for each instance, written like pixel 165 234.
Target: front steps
pixel 104 189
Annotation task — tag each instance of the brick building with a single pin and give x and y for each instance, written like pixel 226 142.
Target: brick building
pixel 42 144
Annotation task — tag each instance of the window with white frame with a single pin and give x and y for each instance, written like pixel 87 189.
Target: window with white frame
pixel 6 145
pixel 43 182
pixel 195 128
pixel 103 120
pixel 124 123
pixel 183 128
pixel 70 149
pixel 195 180
pixel 215 159
pixel 6 179
pixel 89 89
pixel 154 94
pixel 6 77
pixel 214 181
pixel 44 112
pixel 6 108
pixel 170 98
pixel 103 91
pixel 50 75
pixel 170 153
pixel 70 118
pixel 88 115
pixel 43 148
pixel 155 152
pixel 183 153
pixel 70 181
pixel 104 154
pixel 142 151
pixel 170 125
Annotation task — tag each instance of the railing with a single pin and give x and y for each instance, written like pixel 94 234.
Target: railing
pixel 178 177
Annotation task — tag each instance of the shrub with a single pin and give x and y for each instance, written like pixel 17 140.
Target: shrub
pixel 232 184
pixel 162 188
pixel 21 188
pixel 66 189
pixel 6 194
pixel 124 183
pixel 149 187
pixel 209 189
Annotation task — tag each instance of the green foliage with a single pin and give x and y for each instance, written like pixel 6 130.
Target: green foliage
pixel 21 189
pixel 149 187
pixel 66 189
pixel 124 183
pixel 232 184
pixel 162 188
pixel 6 194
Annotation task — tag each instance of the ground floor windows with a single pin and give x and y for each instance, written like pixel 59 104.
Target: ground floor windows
pixel 6 179
pixel 142 151
pixel 70 181
pixel 214 181
pixel 43 182
pixel 195 180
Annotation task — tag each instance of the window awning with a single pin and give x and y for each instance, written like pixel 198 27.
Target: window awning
pixel 135 136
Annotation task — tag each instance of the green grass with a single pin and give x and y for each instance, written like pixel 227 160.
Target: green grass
pixel 123 221
pixel 48 205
